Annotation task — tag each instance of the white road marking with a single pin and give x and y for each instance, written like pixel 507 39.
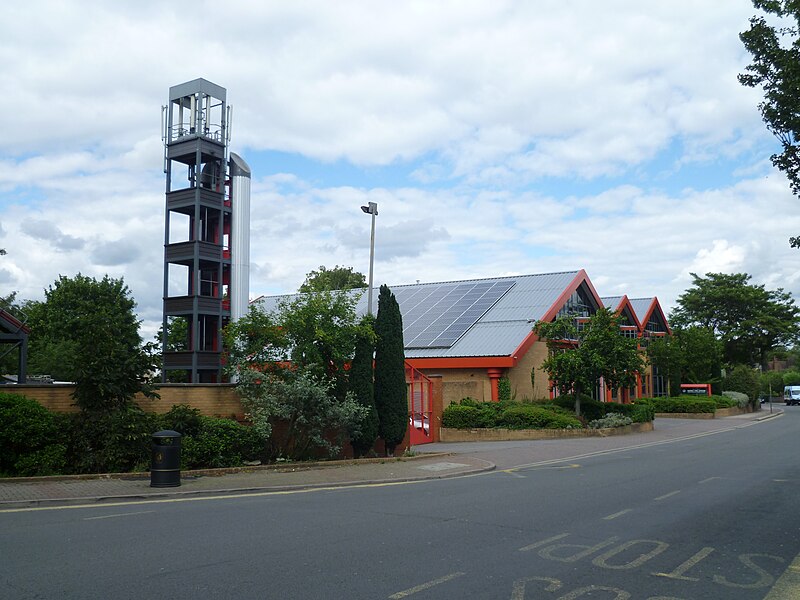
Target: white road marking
pixel 618 514
pixel 425 586
pixel 665 496
pixel 128 514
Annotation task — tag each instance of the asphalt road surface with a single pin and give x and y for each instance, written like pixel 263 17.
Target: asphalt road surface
pixel 714 516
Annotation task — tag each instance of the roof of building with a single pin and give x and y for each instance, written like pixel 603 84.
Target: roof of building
pixel 622 305
pixel 491 317
pixel 11 325
pixel 646 309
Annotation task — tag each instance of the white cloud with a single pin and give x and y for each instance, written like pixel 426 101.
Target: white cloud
pixel 516 138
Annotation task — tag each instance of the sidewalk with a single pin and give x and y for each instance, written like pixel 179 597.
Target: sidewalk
pixel 47 491
pixel 433 461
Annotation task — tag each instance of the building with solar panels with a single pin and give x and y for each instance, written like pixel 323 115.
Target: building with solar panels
pixel 473 333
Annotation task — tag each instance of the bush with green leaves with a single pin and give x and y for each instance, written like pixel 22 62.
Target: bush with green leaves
pixel 611 420
pixel 640 411
pixel 733 399
pixel 791 377
pixel 111 442
pixel 771 383
pixel 457 416
pixel 220 443
pixel 744 379
pixel 664 404
pixel 32 438
pixel 471 414
pixel 504 393
pixel 527 416
pixel 182 418
pixel 298 413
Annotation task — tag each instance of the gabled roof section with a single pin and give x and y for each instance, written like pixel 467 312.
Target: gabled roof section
pixel 622 306
pixel 494 328
pixel 650 314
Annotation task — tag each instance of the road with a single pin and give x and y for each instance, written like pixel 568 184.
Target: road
pixel 713 516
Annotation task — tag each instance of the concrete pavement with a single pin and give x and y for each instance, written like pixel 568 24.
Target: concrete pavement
pixel 432 461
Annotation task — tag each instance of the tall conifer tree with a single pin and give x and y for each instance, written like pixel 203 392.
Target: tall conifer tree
pixel 362 387
pixel 390 375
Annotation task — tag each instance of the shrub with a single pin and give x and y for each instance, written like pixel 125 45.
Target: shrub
pixel 732 399
pixel 591 410
pixel 610 420
pixel 458 416
pixel 115 442
pixel 182 418
pixel 28 429
pixel 504 389
pixel 525 416
pixel 743 379
pixel 641 412
pixel 220 443
pixel 679 405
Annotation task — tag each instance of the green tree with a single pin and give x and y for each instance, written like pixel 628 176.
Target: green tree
pixel 391 395
pixel 337 278
pixel 771 383
pixel 744 379
pixel 87 331
pixel 702 354
pixel 362 386
pixel 776 68
pixel 289 365
pixel 321 329
pixel 579 357
pixel 748 319
pixel 666 354
pixel 791 377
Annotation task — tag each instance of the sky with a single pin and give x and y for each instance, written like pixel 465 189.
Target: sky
pixel 497 138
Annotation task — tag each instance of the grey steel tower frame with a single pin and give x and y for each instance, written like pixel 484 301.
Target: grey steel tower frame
pixel 197 231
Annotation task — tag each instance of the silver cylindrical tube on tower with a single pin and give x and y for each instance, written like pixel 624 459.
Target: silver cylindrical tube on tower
pixel 240 236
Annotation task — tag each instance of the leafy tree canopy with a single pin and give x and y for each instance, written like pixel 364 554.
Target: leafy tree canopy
pixel 776 68
pixel 748 319
pixel 290 366
pixel 337 278
pixel 86 331
pixel 579 357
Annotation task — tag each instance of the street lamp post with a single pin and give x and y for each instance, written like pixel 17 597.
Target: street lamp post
pixel 371 209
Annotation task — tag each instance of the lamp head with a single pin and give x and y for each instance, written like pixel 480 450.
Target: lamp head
pixel 371 208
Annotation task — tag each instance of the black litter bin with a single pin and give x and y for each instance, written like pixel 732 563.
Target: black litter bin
pixel 165 466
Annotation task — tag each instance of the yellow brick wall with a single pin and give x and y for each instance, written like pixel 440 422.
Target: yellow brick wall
pixel 462 383
pixel 520 375
pixel 216 400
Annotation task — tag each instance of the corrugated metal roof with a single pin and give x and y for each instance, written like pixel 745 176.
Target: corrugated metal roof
pixel 611 301
pixel 499 331
pixel 640 307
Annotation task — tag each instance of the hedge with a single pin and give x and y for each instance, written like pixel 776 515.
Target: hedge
pixel 680 405
pixel 471 414
pixel 526 416
pixel 33 440
pixel 592 410
pixel 37 441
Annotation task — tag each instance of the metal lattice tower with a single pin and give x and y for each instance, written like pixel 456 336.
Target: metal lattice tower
pixel 197 232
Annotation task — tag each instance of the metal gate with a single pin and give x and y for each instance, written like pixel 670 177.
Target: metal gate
pixel 419 407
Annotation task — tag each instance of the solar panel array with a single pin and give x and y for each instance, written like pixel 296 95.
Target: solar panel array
pixel 436 316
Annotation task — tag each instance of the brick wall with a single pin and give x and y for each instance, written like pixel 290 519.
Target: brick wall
pixel 215 400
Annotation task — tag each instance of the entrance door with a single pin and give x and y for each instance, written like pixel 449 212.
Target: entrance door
pixel 419 407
